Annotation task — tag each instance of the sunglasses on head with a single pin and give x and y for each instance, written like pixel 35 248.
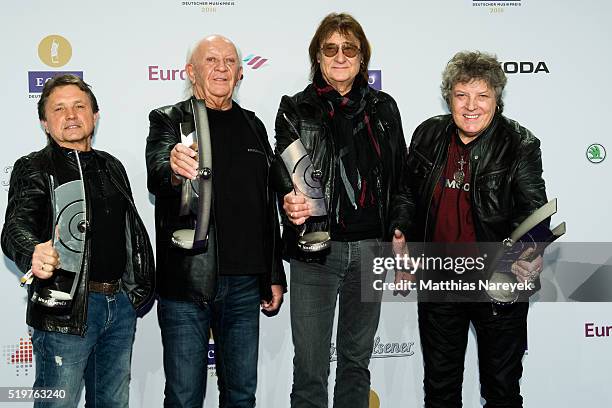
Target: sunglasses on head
pixel 349 50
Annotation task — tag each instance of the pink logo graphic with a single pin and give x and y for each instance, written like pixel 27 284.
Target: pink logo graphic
pixel 20 355
pixel 254 61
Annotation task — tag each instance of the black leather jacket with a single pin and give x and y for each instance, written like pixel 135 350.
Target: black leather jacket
pixel 191 274
pixel 28 221
pixel 506 182
pixel 303 115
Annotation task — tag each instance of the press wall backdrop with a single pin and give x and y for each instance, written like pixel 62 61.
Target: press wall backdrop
pixel 557 56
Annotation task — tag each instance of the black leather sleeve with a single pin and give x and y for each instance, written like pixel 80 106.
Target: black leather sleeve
pixel 528 189
pixel 162 138
pixel 401 204
pixel 27 222
pixel 277 275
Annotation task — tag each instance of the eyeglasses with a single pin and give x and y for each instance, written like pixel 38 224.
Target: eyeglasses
pixel 349 50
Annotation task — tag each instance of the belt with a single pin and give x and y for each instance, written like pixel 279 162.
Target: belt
pixel 106 288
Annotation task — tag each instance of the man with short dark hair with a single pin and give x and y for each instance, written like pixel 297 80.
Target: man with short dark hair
pixel 88 334
pixel 221 286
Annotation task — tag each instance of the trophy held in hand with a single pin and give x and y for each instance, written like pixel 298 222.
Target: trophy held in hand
pixel 69 233
pixel 196 195
pixel 526 243
pixel 307 181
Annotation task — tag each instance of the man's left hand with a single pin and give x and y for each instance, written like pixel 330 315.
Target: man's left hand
pixel 277 298
pixel 527 271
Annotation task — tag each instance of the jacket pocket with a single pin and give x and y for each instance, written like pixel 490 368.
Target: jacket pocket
pixel 492 195
pixel 492 180
pixel 418 165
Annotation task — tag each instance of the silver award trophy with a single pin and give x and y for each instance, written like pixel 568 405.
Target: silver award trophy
pixel 69 228
pixel 196 195
pixel 532 233
pixel 306 180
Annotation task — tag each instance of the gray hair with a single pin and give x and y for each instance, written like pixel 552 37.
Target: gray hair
pixel 467 66
pixel 188 85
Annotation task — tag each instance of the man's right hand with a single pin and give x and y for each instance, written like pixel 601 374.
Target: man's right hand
pixel 296 208
pixel 45 260
pixel 183 163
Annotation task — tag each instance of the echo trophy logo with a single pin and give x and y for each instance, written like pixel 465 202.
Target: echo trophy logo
pixel 54 51
pixel 374 399
pixel 382 350
pixel 20 355
pixel 375 79
pixel 254 61
pixel 210 6
pixel 596 153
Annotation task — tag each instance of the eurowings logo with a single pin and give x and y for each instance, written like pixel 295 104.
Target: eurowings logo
pixel 254 61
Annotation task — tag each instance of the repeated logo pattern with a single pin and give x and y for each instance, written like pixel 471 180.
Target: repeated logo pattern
pixel 20 355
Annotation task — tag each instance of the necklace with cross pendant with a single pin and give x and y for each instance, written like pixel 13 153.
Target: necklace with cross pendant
pixel 459 175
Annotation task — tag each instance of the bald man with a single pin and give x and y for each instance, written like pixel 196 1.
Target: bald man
pixel 223 286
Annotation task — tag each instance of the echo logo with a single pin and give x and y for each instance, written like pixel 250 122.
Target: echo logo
pixel 37 79
pixel 254 61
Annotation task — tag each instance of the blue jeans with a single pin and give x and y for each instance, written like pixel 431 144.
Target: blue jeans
pixel 233 317
pixel 102 358
pixel 314 290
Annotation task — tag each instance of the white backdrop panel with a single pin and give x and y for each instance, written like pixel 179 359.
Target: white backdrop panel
pixel 125 48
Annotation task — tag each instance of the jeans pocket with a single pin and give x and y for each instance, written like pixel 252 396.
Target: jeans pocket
pixel 38 341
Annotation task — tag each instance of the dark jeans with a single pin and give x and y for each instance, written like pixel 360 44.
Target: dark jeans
pixel 314 290
pixel 102 358
pixel 501 333
pixel 185 327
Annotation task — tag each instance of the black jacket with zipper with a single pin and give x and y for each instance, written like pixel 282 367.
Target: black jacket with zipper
pixel 29 219
pixel 506 183
pixel 191 275
pixel 304 116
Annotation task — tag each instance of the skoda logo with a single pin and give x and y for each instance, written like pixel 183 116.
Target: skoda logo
pixel 596 153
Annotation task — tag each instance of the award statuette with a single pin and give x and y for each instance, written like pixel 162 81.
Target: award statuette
pixel 69 228
pixel 307 181
pixel 196 195
pixel 531 233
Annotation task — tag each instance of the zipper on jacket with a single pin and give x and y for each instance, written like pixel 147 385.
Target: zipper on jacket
pixel 87 249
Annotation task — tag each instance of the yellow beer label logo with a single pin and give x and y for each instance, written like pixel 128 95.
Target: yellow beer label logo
pixel 55 51
pixel 374 400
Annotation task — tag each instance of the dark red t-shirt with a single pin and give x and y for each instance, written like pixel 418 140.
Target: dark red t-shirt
pixel 451 206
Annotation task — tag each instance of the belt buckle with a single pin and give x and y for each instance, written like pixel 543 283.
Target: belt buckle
pixel 106 288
